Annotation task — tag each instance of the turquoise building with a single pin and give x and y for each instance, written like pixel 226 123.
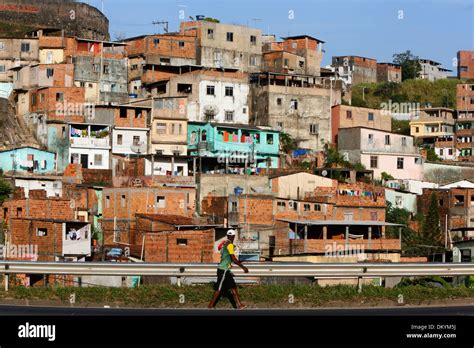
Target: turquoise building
pixel 233 147
pixel 28 159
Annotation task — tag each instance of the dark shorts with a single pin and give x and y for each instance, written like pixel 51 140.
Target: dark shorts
pixel 225 281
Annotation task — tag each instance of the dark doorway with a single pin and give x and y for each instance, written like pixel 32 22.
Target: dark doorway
pixel 85 161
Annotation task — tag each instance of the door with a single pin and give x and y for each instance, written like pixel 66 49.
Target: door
pixel 85 161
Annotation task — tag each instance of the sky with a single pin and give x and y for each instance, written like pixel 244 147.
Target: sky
pixel 433 29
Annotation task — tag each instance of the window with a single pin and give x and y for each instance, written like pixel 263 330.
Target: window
pixel 450 152
pixel 33 99
pixel 25 47
pixel 418 160
pixel 156 42
pixel 253 61
pixel 210 34
pixel 294 45
pixel 417 129
pixel 371 116
pixel 270 139
pixel 123 201
pixel 307 207
pixel 281 206
pixel 441 152
pixel 2 45
pixel 82 84
pixel 106 69
pixel 459 200
pixel 123 113
pixel 301 64
pixel 294 104
pixel 19 212
pixel 295 206
pixel 160 202
pixel 2 69
pixel 387 139
pixel 184 88
pixel 160 128
pixel 373 215
pixel 95 67
pixel 165 60
pixel 244 110
pixel 317 207
pixel 98 159
pixel 404 141
pixel 210 90
pixel 229 116
pixel 119 139
pixel 134 67
pixel 107 201
pixel 181 241
pixel 285 63
pixel 136 140
pixel 400 161
pixel 313 128
pixel 233 207
pixel 181 44
pixel 41 232
pixel 349 114
pixel 49 72
pixel 371 138
pixel 253 40
pixel 278 101
pixel 230 37
pixel 59 96
pixel 374 162
pixel 280 125
pixel 229 91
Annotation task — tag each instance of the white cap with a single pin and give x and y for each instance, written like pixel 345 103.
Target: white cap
pixel 231 233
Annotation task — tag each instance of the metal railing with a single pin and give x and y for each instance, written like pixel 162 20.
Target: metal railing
pixel 266 269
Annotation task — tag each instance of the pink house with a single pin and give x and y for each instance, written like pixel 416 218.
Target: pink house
pixel 381 151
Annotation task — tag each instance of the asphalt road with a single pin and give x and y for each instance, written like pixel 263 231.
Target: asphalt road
pixel 8 310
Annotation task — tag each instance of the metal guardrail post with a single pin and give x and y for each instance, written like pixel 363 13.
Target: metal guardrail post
pixel 7 281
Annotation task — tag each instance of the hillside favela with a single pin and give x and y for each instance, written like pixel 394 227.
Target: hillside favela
pixel 134 165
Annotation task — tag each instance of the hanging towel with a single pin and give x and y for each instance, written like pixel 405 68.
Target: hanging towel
pixel 235 138
pixel 226 136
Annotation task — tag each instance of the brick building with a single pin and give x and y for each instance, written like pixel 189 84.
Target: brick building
pixel 389 72
pixel 465 64
pixel 354 69
pixel 464 128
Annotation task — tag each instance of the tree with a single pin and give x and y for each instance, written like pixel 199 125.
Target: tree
pixel 401 126
pixel 287 143
pixel 333 158
pixel 409 63
pixel 431 229
pixel 431 155
pixel 5 189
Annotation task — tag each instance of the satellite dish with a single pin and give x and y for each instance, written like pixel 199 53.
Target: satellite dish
pixel 324 173
pixel 210 111
pixel 138 148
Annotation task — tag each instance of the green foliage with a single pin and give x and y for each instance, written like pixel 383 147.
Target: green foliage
pixel 210 19
pixel 287 143
pixel 333 158
pixel 386 176
pixel 401 126
pixel 270 296
pixel 431 155
pixel 409 63
pixel 358 166
pixel 431 229
pixel 5 189
pixel 439 93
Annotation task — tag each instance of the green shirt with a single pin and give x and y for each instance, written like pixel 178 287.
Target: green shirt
pixel 226 256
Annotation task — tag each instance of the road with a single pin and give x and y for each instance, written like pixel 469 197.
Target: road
pixel 8 310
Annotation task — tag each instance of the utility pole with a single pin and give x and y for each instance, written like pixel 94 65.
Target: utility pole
pixel 164 23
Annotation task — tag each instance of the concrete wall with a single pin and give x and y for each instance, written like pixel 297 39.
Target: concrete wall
pixel 313 109
pixel 52 188
pixel 401 200
pixel 127 140
pixel 295 186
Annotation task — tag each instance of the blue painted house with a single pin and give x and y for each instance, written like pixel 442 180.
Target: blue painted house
pixel 233 146
pixel 28 159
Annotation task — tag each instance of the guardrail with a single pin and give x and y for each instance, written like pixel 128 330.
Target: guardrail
pixel 266 269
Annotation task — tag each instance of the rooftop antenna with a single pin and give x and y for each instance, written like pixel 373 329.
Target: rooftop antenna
pixel 164 23
pixel 255 20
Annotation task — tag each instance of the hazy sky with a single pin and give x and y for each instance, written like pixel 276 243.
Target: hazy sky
pixel 434 29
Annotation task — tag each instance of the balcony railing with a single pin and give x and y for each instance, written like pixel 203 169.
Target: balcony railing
pixel 90 142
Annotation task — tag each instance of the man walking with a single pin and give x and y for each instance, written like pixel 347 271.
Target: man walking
pixel 225 279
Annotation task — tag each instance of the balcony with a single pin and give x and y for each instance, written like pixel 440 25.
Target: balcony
pixel 89 136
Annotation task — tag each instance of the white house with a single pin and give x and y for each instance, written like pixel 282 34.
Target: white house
pixel 90 145
pixel 129 141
